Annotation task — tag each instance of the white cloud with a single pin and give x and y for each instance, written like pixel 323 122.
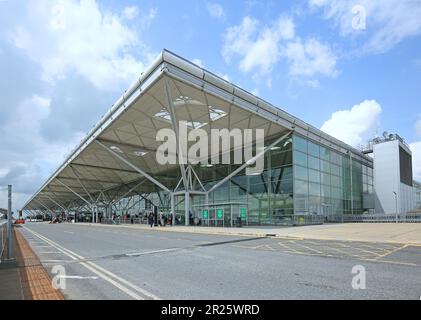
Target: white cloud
pixel 418 126
pixel 355 125
pixel 310 57
pixel 88 56
pixel 215 10
pixel 258 45
pixel 131 12
pixel 77 36
pixel 416 160
pixel 26 158
pixel 387 22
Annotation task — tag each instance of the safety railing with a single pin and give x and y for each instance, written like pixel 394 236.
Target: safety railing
pixel 375 218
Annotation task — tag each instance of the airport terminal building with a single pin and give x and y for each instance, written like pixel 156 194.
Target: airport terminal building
pixel 308 175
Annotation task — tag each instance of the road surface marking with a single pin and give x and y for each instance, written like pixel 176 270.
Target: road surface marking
pixel 108 276
pixel 392 251
pixel 48 252
pixel 69 232
pixel 307 247
pixel 150 252
pixel 79 277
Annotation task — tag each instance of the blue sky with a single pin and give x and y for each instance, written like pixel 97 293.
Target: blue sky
pixel 351 68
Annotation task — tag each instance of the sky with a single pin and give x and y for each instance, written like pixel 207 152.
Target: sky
pixel 350 68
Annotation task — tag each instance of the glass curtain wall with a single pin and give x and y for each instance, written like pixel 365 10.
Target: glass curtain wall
pixel 323 180
pixel 268 196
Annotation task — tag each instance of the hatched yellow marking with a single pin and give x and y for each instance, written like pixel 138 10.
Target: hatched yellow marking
pixel 393 251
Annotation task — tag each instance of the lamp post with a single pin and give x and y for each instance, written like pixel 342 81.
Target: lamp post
pixel 396 206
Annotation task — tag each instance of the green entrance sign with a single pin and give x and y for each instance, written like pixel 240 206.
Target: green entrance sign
pixel 205 214
pixel 219 213
pixel 243 213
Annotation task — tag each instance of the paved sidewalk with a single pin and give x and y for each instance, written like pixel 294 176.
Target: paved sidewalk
pixel 10 279
pixel 10 282
pixel 405 233
pixel 25 278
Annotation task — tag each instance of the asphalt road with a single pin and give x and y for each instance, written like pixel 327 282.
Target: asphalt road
pixel 121 263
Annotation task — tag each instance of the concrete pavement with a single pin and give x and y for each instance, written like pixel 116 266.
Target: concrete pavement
pixel 119 262
pixel 406 233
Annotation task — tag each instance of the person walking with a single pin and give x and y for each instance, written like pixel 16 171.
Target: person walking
pixel 151 219
pixel 161 219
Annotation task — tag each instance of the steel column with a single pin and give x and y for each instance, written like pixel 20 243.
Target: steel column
pixel 71 190
pixel 143 173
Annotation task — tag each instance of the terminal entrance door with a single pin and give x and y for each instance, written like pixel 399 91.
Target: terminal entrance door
pixel 222 215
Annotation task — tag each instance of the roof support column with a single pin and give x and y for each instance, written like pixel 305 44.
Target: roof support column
pixel 172 209
pixel 171 109
pixel 80 182
pixel 60 205
pixel 74 192
pixel 48 209
pixel 187 208
pixel 143 173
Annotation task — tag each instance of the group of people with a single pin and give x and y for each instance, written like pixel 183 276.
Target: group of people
pixel 162 219
pixel 148 217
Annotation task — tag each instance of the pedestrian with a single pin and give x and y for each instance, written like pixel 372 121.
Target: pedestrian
pixel 151 219
pixel 161 219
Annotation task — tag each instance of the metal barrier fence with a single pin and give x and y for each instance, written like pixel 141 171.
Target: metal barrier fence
pixel 124 221
pixel 375 218
pixel 300 220
pixel 3 239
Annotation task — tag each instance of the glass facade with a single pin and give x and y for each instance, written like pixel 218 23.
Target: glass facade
pixel 300 177
pixel 327 182
pixel 267 197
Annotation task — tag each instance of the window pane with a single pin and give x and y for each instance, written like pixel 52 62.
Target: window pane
pixel 335 157
pixel 324 153
pixel 301 187
pixel 300 144
pixel 314 176
pixel 325 166
pixel 325 177
pixel 336 193
pixel 313 149
pixel 314 189
pixel 313 163
pixel 336 181
pixel 281 159
pixel 334 169
pixel 300 158
pixel 325 191
pixel 301 173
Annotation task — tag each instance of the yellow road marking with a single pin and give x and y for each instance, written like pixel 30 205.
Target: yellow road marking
pixel 308 248
pixel 368 251
pixel 344 252
pixel 392 251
